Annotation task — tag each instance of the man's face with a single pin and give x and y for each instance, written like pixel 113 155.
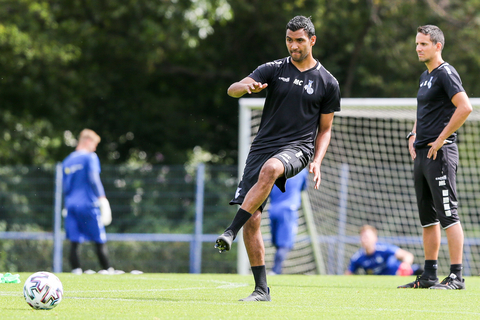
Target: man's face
pixel 299 45
pixel 426 50
pixel 368 239
pixel 91 144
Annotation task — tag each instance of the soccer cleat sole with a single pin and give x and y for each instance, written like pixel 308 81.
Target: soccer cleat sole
pixel 223 243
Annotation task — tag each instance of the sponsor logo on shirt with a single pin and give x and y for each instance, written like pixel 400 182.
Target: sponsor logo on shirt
pixel 298 82
pixel 73 169
pixel 284 79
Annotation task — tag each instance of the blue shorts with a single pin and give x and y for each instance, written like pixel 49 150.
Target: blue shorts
pixel 83 224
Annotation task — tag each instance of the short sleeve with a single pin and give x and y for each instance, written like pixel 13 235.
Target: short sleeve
pixel 263 73
pixel 331 101
pixel 451 81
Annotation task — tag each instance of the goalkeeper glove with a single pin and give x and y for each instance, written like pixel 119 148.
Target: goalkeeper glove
pixel 105 211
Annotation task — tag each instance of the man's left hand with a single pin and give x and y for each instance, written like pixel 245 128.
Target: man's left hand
pixel 435 146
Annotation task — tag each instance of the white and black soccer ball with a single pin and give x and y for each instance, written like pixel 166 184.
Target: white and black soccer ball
pixel 43 290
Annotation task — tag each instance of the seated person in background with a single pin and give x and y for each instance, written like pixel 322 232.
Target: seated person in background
pixel 381 258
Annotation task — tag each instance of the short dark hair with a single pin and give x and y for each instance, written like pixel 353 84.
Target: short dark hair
pixel 302 22
pixel 436 35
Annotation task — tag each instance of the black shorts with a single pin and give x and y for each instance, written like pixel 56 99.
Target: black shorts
pixel 294 160
pixel 435 186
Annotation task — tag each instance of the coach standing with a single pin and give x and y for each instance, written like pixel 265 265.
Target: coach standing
pixel 296 124
pixel 442 108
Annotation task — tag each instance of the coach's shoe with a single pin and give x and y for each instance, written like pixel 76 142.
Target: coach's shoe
pixel 258 295
pixel 224 241
pixel 420 283
pixel 450 283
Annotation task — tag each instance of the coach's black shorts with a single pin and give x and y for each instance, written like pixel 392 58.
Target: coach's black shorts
pixel 435 186
pixel 294 159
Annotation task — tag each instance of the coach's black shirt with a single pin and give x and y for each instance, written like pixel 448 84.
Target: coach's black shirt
pixel 293 104
pixel 434 103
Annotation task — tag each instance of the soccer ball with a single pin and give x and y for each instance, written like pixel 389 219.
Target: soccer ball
pixel 43 290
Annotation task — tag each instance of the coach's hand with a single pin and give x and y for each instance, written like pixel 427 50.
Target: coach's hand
pixel 435 146
pixel 317 175
pixel 411 148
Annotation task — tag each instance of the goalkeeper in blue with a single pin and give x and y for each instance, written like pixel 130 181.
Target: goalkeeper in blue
pixel 382 259
pixel 283 214
pixel 87 208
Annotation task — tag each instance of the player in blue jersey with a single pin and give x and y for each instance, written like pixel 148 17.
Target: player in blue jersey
pixel 381 258
pixel 294 132
pixel 88 210
pixel 442 108
pixel 283 214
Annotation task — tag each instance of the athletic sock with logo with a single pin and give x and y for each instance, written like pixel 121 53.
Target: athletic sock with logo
pixel 457 270
pixel 240 219
pixel 430 269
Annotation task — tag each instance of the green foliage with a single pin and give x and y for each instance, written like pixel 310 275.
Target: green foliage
pixel 151 76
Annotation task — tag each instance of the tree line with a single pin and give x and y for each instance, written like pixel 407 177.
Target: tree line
pixel 151 76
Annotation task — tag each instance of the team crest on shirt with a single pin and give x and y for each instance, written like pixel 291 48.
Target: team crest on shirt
pixel 308 87
pixel 427 83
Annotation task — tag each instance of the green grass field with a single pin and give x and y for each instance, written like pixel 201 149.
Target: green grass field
pixel 214 296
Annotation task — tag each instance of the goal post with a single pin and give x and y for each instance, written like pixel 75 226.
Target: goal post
pixel 367 178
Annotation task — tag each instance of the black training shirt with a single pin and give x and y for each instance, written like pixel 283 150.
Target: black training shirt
pixel 434 103
pixel 293 105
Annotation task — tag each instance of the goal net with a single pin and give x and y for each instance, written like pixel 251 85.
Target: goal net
pixel 367 178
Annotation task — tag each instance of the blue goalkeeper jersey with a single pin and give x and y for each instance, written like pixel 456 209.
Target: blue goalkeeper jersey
pixel 81 179
pixel 382 262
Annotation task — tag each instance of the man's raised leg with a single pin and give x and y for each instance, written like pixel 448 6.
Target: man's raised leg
pixel 256 196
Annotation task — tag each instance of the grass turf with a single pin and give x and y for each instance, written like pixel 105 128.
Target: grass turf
pixel 214 296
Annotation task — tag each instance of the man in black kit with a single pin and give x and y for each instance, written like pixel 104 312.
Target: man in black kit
pixel 296 124
pixel 442 108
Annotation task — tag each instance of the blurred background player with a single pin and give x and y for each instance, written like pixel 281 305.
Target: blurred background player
pixel 381 258
pixel 283 214
pixel 87 208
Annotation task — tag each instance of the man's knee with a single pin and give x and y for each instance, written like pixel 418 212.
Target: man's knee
pixel 272 169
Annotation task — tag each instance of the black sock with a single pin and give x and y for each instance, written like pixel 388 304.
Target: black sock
pixel 457 270
pixel 74 255
pixel 102 254
pixel 430 269
pixel 240 219
pixel 260 276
